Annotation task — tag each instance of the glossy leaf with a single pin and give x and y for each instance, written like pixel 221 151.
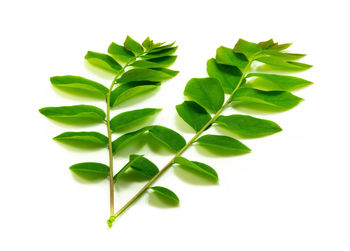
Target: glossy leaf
pixel 155 63
pixel 126 138
pixel 126 167
pixel 103 61
pixel 274 82
pixel 120 53
pixel 248 126
pixel 225 143
pixel 198 167
pixel 129 118
pixel 228 75
pixel 168 137
pixel 249 49
pixel 69 82
pixel 83 139
pixel 90 170
pixel 206 92
pixel 143 166
pixel 227 56
pixel 193 114
pixel 166 193
pixel 279 99
pixel 284 65
pixel 82 113
pixel 143 75
pixel 131 45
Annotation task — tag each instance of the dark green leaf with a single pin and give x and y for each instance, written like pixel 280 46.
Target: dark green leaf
pixel 120 53
pixel 129 90
pixel 218 142
pixel 83 139
pixel 279 99
pixel 228 75
pixel 81 113
pixel 198 167
pixel 247 126
pixel 126 119
pixel 274 82
pixel 143 75
pixel 103 61
pixel 161 52
pixel 249 49
pixel 227 56
pixel 168 137
pixel 166 193
pixel 126 138
pixel 143 166
pixel 155 63
pixel 90 170
pixel 284 65
pixel 193 114
pixel 69 82
pixel 206 92
pixel 131 45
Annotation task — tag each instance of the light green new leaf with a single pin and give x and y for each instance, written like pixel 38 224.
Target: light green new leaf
pixel 193 114
pixel 155 63
pixel 143 75
pixel 129 90
pixel 126 167
pixel 249 49
pixel 228 75
pixel 103 61
pixel 143 166
pixel 248 126
pixel 126 138
pixel 168 137
pixel 160 53
pixel 227 56
pixel 69 82
pixel 206 92
pixel 120 53
pixel 224 143
pixel 131 45
pixel 166 193
pixel 83 139
pixel 75 113
pixel 90 170
pixel 198 167
pixel 126 119
pixel 274 82
pixel 284 65
pixel 279 99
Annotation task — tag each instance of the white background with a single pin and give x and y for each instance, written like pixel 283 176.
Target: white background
pixel 290 193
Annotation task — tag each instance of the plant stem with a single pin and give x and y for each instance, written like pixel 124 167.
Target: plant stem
pixel 171 162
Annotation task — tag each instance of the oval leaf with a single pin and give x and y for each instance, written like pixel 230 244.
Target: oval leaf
pixel 143 166
pixel 143 75
pixel 103 61
pixel 227 56
pixel 120 53
pixel 193 114
pixel 90 170
pixel 248 126
pixel 131 45
pixel 75 113
pixel 126 119
pixel 83 139
pixel 206 92
pixel 167 194
pixel 124 139
pixel 168 137
pixel 218 142
pixel 198 167
pixel 279 99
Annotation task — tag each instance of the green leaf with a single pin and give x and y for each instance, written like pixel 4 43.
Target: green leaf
pixel 155 63
pixel 126 167
pixel 75 113
pixel 193 114
pixel 280 47
pixel 249 49
pixel 161 52
pixel 225 143
pixel 69 82
pixel 248 126
pixel 103 61
pixel 284 65
pixel 131 45
pixel 206 92
pixel 227 56
pixel 129 90
pixel 198 167
pixel 279 99
pixel 143 166
pixel 167 71
pixel 161 47
pixel 83 139
pixel 274 82
pixel 90 170
pixel 228 75
pixel 126 138
pixel 126 119
pixel 266 44
pixel 120 53
pixel 168 137
pixel 283 55
pixel 147 44
pixel 166 193
pixel 143 75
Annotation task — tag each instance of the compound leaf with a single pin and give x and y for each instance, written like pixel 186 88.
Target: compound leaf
pixel 193 114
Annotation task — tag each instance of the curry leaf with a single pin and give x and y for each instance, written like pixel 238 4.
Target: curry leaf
pixel 155 63
pixel 166 193
pixel 90 170
pixel 218 142
pixel 249 49
pixel 120 53
pixel 168 137
pixel 126 167
pixel 160 53
pixel 83 139
pixel 131 45
pixel 197 166
pixel 284 65
pixel 103 61
pixel 227 56
pixel 143 75
pixel 143 166
pixel 193 114
pixel 126 138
